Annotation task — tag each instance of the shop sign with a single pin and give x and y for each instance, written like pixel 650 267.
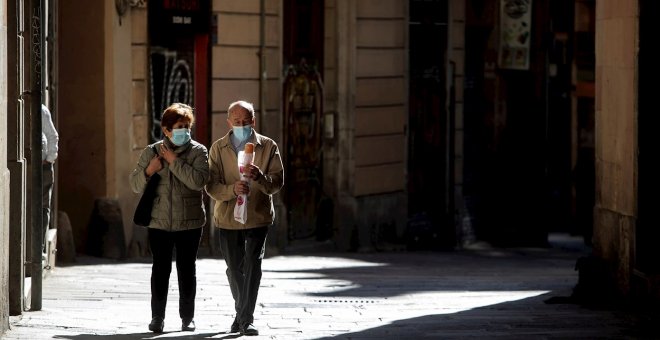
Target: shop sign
pixel 177 15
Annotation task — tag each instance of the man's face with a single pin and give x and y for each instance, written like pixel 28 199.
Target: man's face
pixel 239 116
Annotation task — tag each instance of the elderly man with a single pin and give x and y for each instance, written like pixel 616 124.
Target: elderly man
pixel 243 244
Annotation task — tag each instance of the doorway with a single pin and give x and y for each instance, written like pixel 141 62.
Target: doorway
pixel 179 61
pixel 308 214
pixel 647 233
pixel 429 188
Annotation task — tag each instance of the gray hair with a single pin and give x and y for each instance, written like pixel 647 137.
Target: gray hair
pixel 242 103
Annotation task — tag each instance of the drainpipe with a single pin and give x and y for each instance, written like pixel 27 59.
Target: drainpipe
pixel 450 152
pixel 36 204
pixel 262 60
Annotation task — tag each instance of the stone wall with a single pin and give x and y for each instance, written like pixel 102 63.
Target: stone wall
pixel 616 164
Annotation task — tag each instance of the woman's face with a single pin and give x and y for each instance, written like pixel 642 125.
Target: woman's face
pixel 180 124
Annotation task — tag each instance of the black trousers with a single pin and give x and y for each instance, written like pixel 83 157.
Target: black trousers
pixel 47 194
pixel 243 251
pixel 163 244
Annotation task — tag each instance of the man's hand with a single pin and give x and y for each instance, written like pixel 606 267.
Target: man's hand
pixel 241 187
pixel 252 172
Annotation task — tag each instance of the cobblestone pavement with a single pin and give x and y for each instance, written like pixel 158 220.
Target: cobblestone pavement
pixel 480 293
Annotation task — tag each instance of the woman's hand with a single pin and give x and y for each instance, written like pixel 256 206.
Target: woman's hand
pixel 154 166
pixel 168 154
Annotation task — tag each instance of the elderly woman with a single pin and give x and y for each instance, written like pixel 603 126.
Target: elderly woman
pixel 178 213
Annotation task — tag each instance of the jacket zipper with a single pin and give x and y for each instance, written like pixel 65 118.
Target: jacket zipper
pixel 171 199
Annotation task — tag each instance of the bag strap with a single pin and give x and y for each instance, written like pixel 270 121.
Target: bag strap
pixel 153 147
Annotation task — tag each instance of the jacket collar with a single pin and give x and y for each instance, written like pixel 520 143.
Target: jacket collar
pixel 225 141
pixel 177 149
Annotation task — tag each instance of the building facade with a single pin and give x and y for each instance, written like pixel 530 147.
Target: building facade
pixel 402 124
pixel 326 85
pixel 4 175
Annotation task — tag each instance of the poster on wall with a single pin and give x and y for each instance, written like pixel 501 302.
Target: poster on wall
pixel 515 34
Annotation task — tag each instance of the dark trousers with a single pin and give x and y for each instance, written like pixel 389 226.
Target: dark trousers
pixel 163 244
pixel 243 251
pixel 47 194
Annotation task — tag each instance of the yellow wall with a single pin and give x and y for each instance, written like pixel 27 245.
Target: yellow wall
pixel 82 168
pixel 235 63
pixel 119 113
pixel 138 114
pixel 381 96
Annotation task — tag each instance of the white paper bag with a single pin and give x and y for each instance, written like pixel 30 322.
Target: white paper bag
pixel 240 209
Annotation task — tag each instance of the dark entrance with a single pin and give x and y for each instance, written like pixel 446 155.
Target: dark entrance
pixel 647 232
pixel 429 187
pixel 516 142
pixel 178 61
pixel 309 213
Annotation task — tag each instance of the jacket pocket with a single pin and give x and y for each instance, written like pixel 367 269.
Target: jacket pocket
pixel 192 208
pixel 158 210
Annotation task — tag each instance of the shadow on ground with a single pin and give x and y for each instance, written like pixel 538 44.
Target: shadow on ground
pixel 148 336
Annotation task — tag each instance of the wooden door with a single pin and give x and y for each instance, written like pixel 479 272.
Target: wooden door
pixel 307 213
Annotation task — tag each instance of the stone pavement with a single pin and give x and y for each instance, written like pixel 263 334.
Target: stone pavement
pixel 478 293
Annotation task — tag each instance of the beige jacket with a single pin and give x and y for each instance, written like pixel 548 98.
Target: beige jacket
pixel 223 166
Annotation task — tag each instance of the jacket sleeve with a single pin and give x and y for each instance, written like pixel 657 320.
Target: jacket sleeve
pixel 138 179
pixel 52 137
pixel 217 188
pixel 194 175
pixel 273 179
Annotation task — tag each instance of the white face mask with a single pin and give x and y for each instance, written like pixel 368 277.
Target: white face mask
pixel 242 132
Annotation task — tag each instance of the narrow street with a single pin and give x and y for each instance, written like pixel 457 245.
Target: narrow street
pixel 479 293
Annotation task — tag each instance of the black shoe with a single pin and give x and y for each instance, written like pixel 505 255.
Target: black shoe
pixel 188 325
pixel 157 324
pixel 248 329
pixel 235 327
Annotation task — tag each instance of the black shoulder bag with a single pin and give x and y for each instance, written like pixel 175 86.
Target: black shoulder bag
pixel 142 216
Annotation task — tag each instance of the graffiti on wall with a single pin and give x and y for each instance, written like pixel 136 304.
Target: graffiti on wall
pixel 171 81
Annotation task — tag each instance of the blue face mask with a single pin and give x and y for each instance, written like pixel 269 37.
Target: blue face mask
pixel 242 132
pixel 180 136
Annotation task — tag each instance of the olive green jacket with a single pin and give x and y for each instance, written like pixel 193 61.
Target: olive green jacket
pixel 223 164
pixel 179 205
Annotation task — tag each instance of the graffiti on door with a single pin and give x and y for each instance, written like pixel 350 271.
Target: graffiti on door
pixel 171 80
pixel 309 211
